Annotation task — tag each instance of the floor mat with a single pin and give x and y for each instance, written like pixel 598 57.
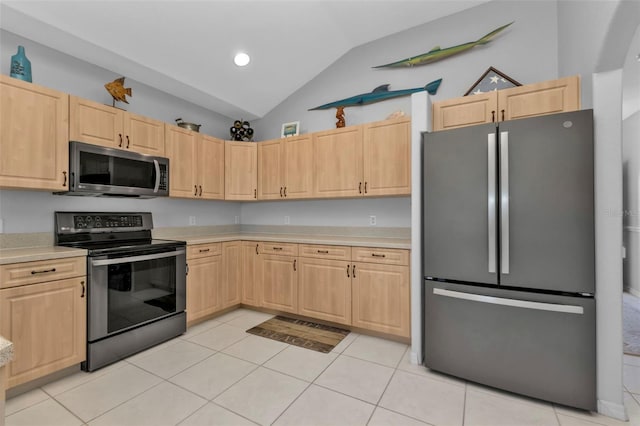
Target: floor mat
pixel 631 324
pixel 306 334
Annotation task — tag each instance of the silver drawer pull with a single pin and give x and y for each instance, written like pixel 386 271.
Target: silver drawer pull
pixel 43 271
pixel 378 255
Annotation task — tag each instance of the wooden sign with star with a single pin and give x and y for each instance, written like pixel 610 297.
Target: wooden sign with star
pixel 491 80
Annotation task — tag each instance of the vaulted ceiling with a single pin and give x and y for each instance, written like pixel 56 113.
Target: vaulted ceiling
pixel 186 48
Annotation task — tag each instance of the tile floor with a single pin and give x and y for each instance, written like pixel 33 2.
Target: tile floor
pixel 216 374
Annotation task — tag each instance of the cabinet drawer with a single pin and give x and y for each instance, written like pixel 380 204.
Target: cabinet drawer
pixel 285 249
pixel 380 255
pixel 204 250
pixel 17 274
pixel 325 252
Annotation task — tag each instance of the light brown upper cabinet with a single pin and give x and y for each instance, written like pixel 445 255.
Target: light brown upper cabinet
pixel 101 124
pixel 241 171
pixel 196 163
pixel 285 168
pixel 34 136
pixel 368 160
pixel 547 97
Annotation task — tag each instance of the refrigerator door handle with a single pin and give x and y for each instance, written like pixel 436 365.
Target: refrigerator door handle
pixel 504 202
pixel 491 208
pixel 540 306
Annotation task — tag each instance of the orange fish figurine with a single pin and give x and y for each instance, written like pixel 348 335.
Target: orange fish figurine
pixel 117 90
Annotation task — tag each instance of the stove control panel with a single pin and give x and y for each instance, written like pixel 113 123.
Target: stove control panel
pixel 99 221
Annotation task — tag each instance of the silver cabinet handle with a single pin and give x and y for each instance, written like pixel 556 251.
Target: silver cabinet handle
pixel 504 202
pixel 491 207
pixel 136 258
pixel 539 306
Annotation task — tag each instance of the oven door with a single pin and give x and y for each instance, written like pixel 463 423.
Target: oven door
pixel 132 288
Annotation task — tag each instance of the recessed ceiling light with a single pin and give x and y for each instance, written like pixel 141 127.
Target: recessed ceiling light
pixel 241 59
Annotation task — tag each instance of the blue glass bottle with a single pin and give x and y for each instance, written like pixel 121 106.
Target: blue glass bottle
pixel 20 66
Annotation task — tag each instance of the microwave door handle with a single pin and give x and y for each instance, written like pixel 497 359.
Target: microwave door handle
pixel 128 259
pixel 157 166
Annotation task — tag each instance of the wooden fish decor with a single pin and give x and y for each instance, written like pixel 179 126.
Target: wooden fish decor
pixel 117 90
pixel 380 93
pixel 437 53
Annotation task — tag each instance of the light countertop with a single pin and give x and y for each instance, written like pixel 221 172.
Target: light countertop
pixel 6 351
pixel 31 254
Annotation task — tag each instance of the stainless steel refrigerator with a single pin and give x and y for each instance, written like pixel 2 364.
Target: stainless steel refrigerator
pixel 509 256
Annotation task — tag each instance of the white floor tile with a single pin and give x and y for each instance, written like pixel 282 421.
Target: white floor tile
pixel 214 415
pixel 171 360
pixel 423 398
pixel 357 378
pixel 98 396
pixel 165 404
pixel 76 379
pixel 262 396
pixel 383 417
pixel 199 328
pixel 48 413
pixel 631 378
pixel 255 349
pixel 214 375
pixel 304 364
pixel 319 406
pixel 344 343
pixel 406 365
pixel 232 315
pixel 219 337
pixel 374 349
pixel 633 410
pixel 573 421
pixel 249 319
pixel 485 409
pixel 24 400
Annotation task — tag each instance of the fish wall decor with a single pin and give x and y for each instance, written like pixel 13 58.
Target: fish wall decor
pixel 437 53
pixel 380 93
pixel 117 90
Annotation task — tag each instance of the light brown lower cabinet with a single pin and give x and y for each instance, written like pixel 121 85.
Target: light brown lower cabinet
pixel 324 288
pixel 251 274
pixel 47 324
pixel 279 282
pixel 203 280
pixel 231 284
pixel 381 298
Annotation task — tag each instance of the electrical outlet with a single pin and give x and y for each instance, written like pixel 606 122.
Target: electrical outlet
pixel 192 220
pixel 372 220
pixel 236 220
pixel 287 220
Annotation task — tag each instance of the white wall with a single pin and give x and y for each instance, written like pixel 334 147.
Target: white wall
pixel 32 211
pixel 631 196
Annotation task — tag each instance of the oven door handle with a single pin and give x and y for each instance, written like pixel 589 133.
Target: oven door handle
pixel 118 260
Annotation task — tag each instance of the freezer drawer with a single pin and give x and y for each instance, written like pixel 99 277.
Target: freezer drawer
pixel 534 344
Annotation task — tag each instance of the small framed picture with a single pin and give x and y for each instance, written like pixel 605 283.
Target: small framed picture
pixel 290 129
pixel 491 80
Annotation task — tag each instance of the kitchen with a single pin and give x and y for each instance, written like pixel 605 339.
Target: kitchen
pixel 23 212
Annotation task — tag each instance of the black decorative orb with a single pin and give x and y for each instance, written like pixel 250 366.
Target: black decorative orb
pixel 241 131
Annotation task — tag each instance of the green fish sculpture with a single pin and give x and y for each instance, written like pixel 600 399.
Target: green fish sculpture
pixel 380 93
pixel 437 54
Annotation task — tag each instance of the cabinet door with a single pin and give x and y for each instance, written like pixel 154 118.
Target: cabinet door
pixel 47 324
pixel 338 162
pixel 211 168
pixel 387 158
pixel 547 97
pixel 251 273
pixel 297 167
pixel 181 148
pixel 270 180
pixel 465 111
pixel 241 174
pixel 279 283
pixel 34 136
pixel 381 298
pixel 203 282
pixel 143 134
pixel 231 289
pixel 96 123
pixel 324 289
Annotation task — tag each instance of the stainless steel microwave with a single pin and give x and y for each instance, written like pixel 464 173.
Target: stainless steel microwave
pixel 102 171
